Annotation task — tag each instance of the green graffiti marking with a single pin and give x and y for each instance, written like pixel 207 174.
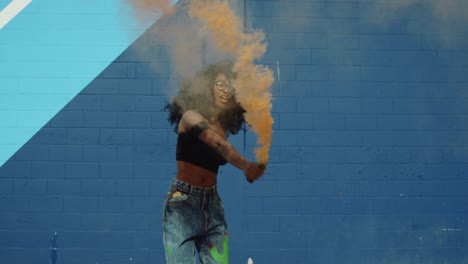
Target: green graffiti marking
pixel 168 251
pixel 224 257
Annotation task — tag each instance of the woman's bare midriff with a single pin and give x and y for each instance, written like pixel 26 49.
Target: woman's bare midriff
pixel 195 175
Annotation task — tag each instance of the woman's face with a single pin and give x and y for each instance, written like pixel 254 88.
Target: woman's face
pixel 222 90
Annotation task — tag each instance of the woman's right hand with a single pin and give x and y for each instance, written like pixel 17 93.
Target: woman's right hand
pixel 254 171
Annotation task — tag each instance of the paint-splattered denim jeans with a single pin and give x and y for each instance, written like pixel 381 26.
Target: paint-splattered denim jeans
pixel 193 219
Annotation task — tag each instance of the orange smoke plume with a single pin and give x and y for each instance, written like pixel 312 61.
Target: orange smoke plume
pixel 225 28
pixel 254 81
pixel 145 7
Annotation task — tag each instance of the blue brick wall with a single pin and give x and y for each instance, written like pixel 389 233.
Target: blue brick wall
pixel 368 163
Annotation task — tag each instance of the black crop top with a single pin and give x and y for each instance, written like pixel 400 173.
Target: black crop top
pixel 191 149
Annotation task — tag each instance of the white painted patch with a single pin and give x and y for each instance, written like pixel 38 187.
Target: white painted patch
pixel 12 10
pixel 448 229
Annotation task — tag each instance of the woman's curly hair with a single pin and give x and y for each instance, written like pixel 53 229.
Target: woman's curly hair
pixel 196 93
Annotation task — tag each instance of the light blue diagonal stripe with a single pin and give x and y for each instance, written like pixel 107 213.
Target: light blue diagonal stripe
pixel 67 42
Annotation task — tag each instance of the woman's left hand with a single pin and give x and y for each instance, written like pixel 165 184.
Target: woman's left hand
pixel 254 171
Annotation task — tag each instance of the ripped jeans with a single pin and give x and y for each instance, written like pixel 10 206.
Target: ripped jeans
pixel 193 219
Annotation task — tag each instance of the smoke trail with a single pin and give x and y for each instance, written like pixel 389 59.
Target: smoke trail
pixel 446 19
pixel 215 22
pixel 174 32
pixel 441 10
pixel 254 81
pixel 144 8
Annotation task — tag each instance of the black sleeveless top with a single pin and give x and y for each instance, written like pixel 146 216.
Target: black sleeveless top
pixel 191 149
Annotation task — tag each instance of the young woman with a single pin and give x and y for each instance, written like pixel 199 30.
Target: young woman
pixel 203 113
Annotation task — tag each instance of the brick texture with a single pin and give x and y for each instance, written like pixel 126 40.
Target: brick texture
pixel 368 163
